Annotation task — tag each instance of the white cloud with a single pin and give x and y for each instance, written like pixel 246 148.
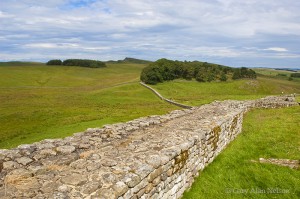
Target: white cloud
pixel 191 29
pixel 277 49
pixel 51 45
pixel 5 15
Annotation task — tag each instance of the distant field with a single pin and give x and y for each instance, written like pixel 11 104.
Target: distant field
pixel 271 133
pixel 271 72
pixel 195 93
pixel 39 101
pixel 282 74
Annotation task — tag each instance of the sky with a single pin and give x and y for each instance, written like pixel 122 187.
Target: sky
pixel 250 33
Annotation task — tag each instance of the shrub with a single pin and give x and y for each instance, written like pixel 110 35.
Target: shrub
pixel 84 63
pixel 54 62
pixel 223 77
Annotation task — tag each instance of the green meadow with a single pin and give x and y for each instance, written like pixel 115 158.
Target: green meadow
pixel 272 72
pixel 39 101
pixel 195 93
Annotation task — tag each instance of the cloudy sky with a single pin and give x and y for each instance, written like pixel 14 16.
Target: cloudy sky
pixel 252 33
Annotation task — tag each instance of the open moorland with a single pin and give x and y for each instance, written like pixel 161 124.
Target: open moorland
pixel 195 93
pixel 39 101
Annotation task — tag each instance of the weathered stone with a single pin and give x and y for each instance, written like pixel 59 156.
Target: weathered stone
pixel 154 160
pixel 63 188
pixel 45 146
pixel 164 176
pixel 170 172
pixel 74 179
pixel 24 160
pixel 148 188
pixel 47 152
pixel 131 179
pixel 154 174
pixel 156 181
pixel 105 194
pixel 143 170
pixel 120 188
pixel 79 164
pixel 108 162
pixel 10 165
pixel 91 187
pixel 49 187
pixel 86 154
pixel 140 193
pixel 95 157
pixel 84 146
pixel 22 180
pixel 92 166
pixel 108 178
pixel 65 149
pixel 59 195
pixel 65 159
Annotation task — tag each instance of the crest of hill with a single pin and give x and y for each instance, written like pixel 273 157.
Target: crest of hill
pixel 130 60
pixel 19 63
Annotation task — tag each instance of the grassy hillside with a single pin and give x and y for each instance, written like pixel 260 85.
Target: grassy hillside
pixel 272 133
pixel 195 93
pixel 271 72
pixel 39 101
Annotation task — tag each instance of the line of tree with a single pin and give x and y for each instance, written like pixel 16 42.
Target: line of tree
pixel 165 70
pixel 78 62
pixel 295 75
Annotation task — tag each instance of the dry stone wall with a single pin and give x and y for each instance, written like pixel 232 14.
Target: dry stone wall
pixel 151 157
pixel 163 98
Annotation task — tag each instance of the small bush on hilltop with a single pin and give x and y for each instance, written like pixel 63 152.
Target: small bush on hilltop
pixel 54 62
pixel 84 63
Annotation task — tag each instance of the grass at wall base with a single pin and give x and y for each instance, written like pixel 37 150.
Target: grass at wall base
pixel 272 133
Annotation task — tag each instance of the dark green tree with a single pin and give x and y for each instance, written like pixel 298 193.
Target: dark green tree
pixel 223 77
pixel 236 74
pixel 84 63
pixel 54 62
pixel 202 75
pixel 295 75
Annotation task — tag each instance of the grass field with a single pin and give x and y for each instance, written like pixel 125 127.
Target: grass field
pixel 195 93
pixel 39 101
pixel 272 133
pixel 271 72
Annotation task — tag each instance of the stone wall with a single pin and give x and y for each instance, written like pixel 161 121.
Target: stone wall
pixel 151 157
pixel 163 98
